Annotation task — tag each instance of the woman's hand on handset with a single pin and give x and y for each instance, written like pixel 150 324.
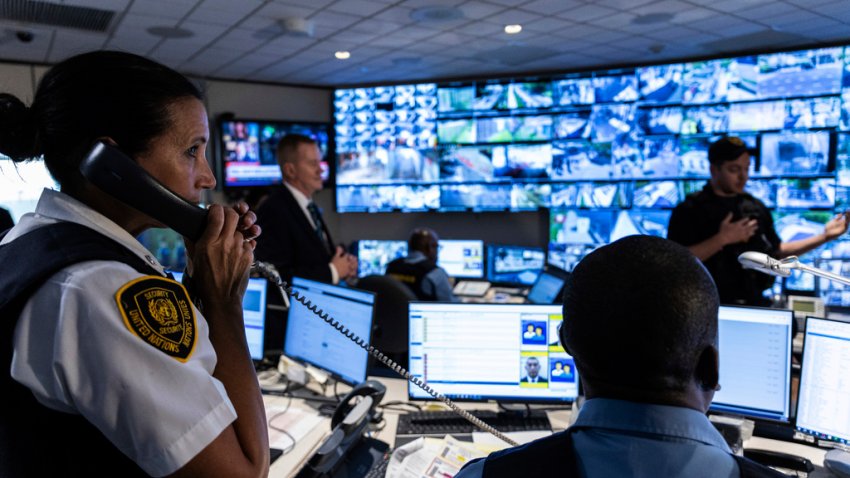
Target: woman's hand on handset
pixel 222 257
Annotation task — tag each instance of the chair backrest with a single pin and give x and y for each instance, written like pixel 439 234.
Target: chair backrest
pixel 389 333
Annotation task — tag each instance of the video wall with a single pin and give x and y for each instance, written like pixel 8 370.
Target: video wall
pixel 608 153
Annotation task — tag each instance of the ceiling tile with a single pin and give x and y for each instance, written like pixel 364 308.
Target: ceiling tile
pixel 240 39
pixel 162 8
pixel 360 8
pixel 551 7
pixel 622 4
pixel 476 10
pixel 512 16
pixel 273 12
pixel 761 12
pixel 334 19
pixel 587 12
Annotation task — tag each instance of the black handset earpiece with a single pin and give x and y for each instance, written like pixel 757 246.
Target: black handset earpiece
pixel 118 175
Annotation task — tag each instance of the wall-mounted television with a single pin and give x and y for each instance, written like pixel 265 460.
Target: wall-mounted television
pixel 248 150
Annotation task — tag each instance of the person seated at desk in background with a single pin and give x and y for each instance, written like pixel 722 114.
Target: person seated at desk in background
pixel 419 270
pixel 295 238
pixel 722 221
pixel 640 320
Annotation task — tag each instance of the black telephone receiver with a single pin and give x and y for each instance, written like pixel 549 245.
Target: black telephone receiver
pixel 118 175
pixel 369 388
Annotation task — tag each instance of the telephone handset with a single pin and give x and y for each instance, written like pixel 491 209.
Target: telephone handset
pixel 269 272
pixel 369 388
pixel 118 175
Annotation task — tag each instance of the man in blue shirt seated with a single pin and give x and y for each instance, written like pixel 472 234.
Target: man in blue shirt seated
pixel 419 270
pixel 640 320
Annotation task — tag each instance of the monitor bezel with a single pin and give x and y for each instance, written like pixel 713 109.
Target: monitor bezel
pixel 219 151
pixel 488 398
pixel 712 409
pixel 301 360
pixel 841 441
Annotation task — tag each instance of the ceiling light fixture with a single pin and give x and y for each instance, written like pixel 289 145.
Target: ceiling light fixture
pixel 342 55
pixel 513 29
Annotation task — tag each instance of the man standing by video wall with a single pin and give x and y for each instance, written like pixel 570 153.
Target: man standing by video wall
pixel 722 221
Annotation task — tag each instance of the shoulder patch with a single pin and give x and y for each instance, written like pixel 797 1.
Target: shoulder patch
pixel 158 311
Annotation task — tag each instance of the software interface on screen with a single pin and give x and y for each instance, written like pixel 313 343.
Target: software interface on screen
pixel 253 313
pixel 514 264
pixel 310 339
pixel 490 352
pixel 373 256
pixel 823 403
pixel 755 362
pixel 462 258
pixel 546 289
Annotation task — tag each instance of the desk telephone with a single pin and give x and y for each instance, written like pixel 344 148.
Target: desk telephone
pixel 118 175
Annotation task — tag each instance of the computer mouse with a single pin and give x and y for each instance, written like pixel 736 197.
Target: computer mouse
pixel 838 462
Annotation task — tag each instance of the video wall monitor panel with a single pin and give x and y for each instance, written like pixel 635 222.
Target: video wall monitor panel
pixel 462 258
pixel 248 149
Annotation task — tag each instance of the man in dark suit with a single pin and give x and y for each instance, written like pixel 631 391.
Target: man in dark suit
pixel 295 238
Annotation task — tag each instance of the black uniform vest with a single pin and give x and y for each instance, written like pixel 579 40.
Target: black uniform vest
pixel 412 274
pixel 36 441
pixel 555 456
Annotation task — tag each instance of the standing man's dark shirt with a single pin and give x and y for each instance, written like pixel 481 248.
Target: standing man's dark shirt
pixel 699 217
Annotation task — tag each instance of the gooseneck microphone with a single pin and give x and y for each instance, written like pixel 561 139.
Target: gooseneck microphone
pixel 782 268
pixel 764 263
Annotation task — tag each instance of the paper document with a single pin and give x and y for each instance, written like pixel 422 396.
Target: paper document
pixel 432 458
pixel 294 421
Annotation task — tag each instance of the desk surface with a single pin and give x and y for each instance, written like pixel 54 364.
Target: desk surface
pixel 289 464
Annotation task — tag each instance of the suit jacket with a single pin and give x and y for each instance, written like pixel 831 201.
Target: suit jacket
pixel 288 240
pixel 539 380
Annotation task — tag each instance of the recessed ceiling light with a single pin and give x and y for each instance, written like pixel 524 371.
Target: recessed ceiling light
pixel 342 55
pixel 170 32
pixel 513 29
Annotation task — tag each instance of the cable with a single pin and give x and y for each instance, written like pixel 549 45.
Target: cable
pixel 269 272
pixel 282 430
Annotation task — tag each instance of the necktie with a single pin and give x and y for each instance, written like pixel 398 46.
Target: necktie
pixel 317 221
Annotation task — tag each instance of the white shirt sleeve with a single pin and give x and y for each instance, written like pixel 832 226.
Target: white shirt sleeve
pixel 74 351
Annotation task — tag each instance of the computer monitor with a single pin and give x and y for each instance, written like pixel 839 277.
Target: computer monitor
pixel 506 352
pixel 253 314
pixel 547 289
pixel 309 339
pixel 373 255
pixel 515 265
pixel 755 363
pixel 462 258
pixel 824 396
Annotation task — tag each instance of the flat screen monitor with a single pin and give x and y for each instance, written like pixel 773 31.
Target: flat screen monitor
pixel 462 258
pixel 506 352
pixel 21 185
pixel 547 289
pixel 824 397
pixel 374 255
pixel 253 314
pixel 515 265
pixel 248 149
pixel 309 339
pixel 755 363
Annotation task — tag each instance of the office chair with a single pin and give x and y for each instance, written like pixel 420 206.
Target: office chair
pixel 390 329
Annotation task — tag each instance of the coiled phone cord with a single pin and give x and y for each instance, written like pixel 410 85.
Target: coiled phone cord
pixel 270 272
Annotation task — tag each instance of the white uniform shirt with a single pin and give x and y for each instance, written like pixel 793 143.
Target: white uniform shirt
pixel 73 350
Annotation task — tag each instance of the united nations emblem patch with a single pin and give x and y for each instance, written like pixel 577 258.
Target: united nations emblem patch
pixel 158 311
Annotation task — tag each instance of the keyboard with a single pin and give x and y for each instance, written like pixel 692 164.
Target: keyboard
pixel 441 423
pixel 379 469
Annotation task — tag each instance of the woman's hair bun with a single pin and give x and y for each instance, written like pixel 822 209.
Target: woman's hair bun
pixel 18 129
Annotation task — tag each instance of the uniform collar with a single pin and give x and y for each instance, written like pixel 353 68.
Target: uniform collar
pixel 634 417
pixel 56 206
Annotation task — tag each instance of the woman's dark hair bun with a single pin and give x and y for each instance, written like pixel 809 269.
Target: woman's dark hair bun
pixel 18 129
